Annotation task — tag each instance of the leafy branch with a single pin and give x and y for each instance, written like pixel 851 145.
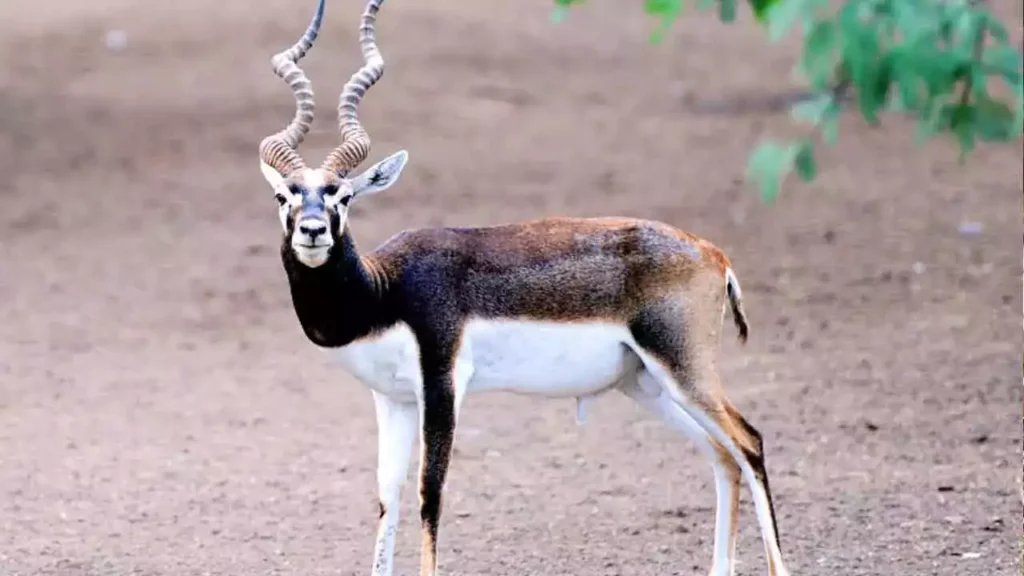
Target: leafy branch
pixel 948 64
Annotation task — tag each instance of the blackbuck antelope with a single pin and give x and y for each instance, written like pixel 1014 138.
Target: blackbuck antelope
pixel 558 307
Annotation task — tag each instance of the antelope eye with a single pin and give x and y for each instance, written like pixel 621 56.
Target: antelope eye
pixel 330 190
pixel 281 199
pixel 345 200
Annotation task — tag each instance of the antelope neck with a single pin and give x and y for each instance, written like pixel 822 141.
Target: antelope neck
pixel 341 301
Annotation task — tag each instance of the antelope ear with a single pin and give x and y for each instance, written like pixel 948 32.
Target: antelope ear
pixel 380 176
pixel 272 176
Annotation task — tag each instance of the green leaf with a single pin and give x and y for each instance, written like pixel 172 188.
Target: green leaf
pixel 818 59
pixel 966 26
pixel 993 120
pixel 658 34
pixel 906 96
pixel 812 109
pixel 993 26
pixel 938 71
pixel 859 49
pixel 781 16
pixel 908 85
pixel 1005 61
pixel 767 166
pixel 561 10
pixel 663 7
pixel 803 160
pixel 882 80
pixel 1018 110
pixel 829 124
pixel 760 8
pixel 913 27
pixel 861 58
pixel 934 119
pixel 949 21
pixel 727 10
pixel 667 11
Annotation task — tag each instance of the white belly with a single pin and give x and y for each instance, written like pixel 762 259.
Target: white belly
pixel 537 358
pixel 547 358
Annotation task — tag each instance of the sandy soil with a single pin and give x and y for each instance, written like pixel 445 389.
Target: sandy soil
pixel 161 413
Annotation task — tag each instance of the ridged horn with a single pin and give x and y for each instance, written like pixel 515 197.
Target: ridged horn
pixel 355 142
pixel 279 150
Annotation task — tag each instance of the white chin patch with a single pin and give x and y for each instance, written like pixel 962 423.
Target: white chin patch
pixel 311 257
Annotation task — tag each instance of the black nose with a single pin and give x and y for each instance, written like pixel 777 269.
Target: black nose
pixel 312 229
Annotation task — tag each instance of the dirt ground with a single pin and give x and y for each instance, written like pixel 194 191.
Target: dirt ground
pixel 162 414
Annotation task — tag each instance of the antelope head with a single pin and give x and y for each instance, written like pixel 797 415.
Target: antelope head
pixel 313 202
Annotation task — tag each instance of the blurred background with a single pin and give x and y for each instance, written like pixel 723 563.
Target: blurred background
pixel 161 412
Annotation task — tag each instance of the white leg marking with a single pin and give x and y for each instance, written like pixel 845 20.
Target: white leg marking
pixel 675 418
pixel 726 517
pixel 712 428
pixel 396 431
